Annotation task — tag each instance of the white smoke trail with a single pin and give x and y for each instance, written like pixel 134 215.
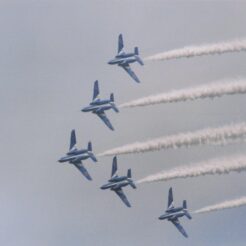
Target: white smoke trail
pixel 206 49
pixel 221 135
pixel 206 91
pixel 212 167
pixel 223 205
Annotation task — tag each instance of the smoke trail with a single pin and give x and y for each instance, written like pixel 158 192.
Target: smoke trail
pixel 212 167
pixel 206 91
pixel 206 49
pixel 221 135
pixel 223 205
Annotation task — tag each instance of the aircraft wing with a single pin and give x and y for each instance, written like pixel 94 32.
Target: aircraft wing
pixel 120 43
pixel 95 90
pixel 179 227
pixel 83 170
pixel 131 73
pixel 72 139
pixel 104 118
pixel 170 198
pixel 114 166
pixel 122 196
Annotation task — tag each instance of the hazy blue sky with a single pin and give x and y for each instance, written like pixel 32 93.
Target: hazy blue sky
pixel 51 52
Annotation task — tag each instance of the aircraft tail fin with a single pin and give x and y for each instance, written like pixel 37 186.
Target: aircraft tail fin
pixel 129 173
pixel 136 51
pixel 184 204
pixel 72 139
pixel 89 148
pixel 112 97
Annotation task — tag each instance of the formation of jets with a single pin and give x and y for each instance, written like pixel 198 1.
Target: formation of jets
pixel 98 107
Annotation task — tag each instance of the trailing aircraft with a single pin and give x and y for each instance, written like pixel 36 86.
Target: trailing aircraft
pixel 173 214
pixel 116 183
pixel 98 106
pixel 76 156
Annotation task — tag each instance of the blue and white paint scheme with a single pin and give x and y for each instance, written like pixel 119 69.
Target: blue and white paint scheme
pixel 173 214
pixel 116 183
pixel 123 59
pixel 98 106
pixel 76 156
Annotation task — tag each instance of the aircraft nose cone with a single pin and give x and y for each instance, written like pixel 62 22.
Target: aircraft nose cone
pixel 110 62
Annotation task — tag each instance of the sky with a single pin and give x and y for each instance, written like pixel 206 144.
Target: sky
pixel 51 52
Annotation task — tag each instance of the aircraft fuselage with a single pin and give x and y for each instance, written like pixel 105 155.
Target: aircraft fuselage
pixel 116 184
pixel 172 215
pixel 123 59
pixel 79 156
pixel 98 106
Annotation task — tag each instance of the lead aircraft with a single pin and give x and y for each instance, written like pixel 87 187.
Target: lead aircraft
pixel 123 59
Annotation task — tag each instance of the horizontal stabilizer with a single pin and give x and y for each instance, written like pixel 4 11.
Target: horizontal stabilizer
pixel 139 60
pixel 187 214
pixel 92 156
pixel 114 107
pixel 132 184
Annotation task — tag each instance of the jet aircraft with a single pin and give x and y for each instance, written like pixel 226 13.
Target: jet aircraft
pixel 123 59
pixel 98 106
pixel 116 183
pixel 75 156
pixel 173 214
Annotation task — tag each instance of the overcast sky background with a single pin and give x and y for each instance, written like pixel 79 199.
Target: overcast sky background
pixel 51 52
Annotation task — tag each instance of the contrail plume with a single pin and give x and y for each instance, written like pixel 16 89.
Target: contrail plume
pixel 212 90
pixel 200 50
pixel 223 205
pixel 220 135
pixel 211 167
